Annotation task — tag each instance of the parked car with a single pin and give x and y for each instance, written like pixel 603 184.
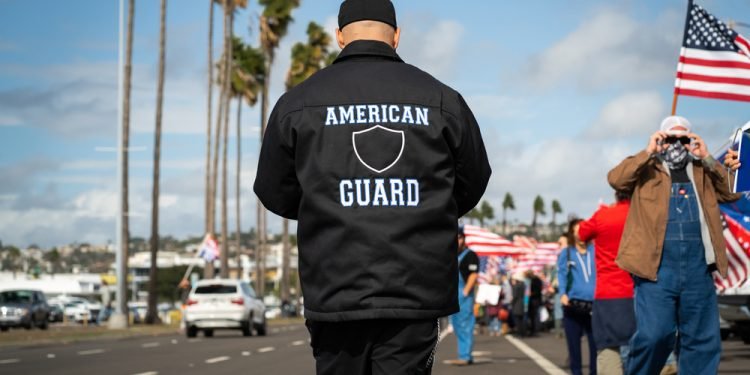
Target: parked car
pixel 735 310
pixel 56 312
pixel 224 304
pixel 79 310
pixel 23 308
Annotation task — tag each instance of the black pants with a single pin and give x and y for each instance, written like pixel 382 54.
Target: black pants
pixel 374 347
pixel 533 316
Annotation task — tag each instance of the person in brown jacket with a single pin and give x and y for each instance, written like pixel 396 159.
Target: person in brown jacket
pixel 671 244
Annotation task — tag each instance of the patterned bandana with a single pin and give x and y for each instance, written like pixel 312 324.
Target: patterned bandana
pixel 676 156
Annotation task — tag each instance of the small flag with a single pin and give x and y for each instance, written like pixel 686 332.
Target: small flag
pixel 714 59
pixel 209 248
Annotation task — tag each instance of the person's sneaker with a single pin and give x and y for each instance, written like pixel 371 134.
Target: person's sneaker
pixel 457 362
pixel 669 370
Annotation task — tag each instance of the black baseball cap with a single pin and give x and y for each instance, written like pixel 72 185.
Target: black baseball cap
pixel 367 10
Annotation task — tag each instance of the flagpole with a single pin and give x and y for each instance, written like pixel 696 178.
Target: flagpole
pixel 674 103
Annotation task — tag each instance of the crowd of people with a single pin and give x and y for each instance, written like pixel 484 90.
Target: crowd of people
pixel 636 277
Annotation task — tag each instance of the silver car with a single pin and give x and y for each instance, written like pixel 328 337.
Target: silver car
pixel 224 304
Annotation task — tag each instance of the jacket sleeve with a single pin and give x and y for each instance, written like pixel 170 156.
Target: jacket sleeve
pixel 472 166
pixel 721 180
pixel 625 175
pixel 276 183
pixel 562 272
pixel 587 229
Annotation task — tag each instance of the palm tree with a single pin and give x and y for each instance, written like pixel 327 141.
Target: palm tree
pixel 127 85
pixel 208 270
pixel 472 215
pixel 274 24
pixel 151 314
pixel 486 212
pixel 538 210
pixel 307 59
pixel 508 204
pixel 223 122
pixel 247 75
pixel 556 209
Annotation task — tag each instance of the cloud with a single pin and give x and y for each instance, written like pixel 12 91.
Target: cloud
pixel 498 107
pixel 430 44
pixel 573 171
pixel 609 49
pixel 634 114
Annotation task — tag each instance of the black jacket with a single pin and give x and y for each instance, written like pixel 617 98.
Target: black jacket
pixel 377 160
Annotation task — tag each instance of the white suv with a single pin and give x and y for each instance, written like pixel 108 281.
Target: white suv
pixel 224 304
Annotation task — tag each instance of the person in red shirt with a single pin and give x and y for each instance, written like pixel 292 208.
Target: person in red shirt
pixel 613 315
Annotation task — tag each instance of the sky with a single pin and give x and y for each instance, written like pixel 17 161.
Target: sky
pixel 562 90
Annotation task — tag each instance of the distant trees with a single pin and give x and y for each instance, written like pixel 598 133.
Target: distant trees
pixel 556 209
pixel 539 210
pixel 508 204
pixel 483 212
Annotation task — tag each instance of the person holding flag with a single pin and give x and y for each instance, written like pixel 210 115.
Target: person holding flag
pixel 671 244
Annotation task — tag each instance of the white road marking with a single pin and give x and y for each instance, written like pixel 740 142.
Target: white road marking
pixel 174 341
pixel 298 343
pixel 194 340
pixel 245 354
pixel 480 353
pixel 9 361
pixel 542 362
pixel 148 373
pixel 91 352
pixel 50 356
pixel 445 333
pixel 275 330
pixel 150 345
pixel 217 360
pixel 266 349
pixel 284 329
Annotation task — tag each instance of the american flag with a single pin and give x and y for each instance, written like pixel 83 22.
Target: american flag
pixel 209 249
pixel 485 243
pixel 489 267
pixel 538 255
pixel 714 59
pixel 737 236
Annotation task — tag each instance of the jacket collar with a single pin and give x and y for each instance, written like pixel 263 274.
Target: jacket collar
pixel 368 48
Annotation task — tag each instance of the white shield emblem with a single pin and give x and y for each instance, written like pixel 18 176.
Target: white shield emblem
pixel 379 148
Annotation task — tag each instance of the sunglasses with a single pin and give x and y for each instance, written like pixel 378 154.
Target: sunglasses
pixel 672 140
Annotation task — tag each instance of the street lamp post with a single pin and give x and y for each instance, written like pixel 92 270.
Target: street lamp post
pixel 119 319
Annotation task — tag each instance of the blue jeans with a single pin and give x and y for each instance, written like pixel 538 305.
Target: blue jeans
pixel 576 325
pixel 495 324
pixel 683 299
pixel 463 326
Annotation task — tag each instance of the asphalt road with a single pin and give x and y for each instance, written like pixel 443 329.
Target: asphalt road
pixel 284 351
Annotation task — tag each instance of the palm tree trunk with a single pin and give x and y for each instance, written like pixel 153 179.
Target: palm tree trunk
pixel 224 255
pixel 123 291
pixel 208 269
pixel 505 223
pixel 151 315
pixel 239 186
pixel 262 239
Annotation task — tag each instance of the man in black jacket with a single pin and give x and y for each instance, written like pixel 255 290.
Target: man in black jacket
pixel 377 160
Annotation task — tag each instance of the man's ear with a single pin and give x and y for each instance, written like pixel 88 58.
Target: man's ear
pixel 340 38
pixel 396 38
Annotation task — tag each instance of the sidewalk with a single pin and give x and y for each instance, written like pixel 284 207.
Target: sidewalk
pixel 545 354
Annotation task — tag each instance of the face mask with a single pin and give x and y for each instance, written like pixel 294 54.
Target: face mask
pixel 676 155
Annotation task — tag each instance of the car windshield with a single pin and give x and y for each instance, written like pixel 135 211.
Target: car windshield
pixel 15 296
pixel 216 289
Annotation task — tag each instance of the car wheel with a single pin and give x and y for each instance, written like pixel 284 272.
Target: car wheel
pixel 247 328
pixel 746 337
pixel 208 332
pixel 191 332
pixel 29 325
pixel 44 324
pixel 261 328
pixel 4 329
